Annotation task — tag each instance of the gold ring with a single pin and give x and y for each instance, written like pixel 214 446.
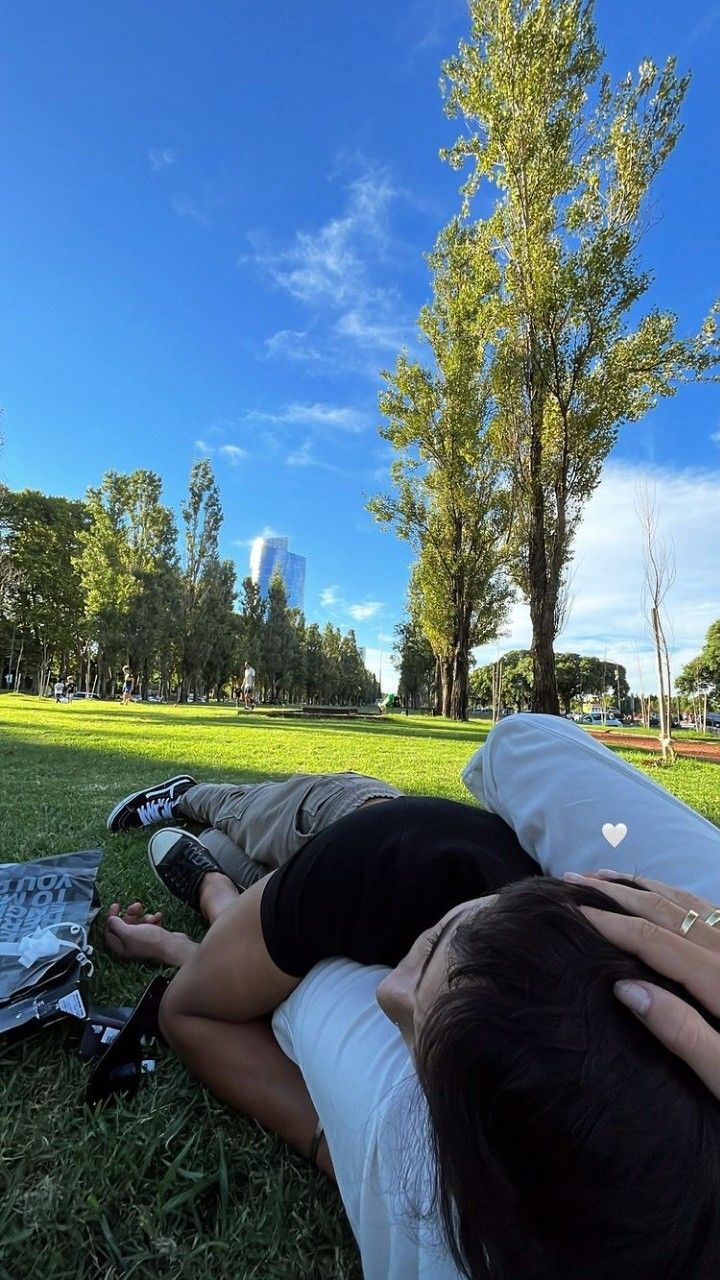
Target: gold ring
pixel 713 919
pixel 689 921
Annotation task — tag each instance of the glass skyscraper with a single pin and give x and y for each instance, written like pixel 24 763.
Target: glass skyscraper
pixel 269 554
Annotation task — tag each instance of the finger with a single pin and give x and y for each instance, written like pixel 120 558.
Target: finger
pixel 153 917
pixel 113 934
pixel 113 910
pixel 696 969
pixel 677 1026
pixel 682 897
pixel 654 907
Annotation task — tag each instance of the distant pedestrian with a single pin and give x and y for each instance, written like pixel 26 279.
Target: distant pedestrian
pixel 59 689
pixel 70 688
pixel 237 694
pixel 128 686
pixel 248 687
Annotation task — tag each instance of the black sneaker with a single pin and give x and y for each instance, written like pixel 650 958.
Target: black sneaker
pixel 180 863
pixel 155 804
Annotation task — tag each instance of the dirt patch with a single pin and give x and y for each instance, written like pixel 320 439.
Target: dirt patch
pixel 694 750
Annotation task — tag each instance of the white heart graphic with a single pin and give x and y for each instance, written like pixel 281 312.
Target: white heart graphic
pixel 614 833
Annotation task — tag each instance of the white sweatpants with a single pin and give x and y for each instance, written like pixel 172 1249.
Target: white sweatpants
pixel 557 788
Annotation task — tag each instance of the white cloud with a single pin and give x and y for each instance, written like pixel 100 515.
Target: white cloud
pixel 302 457
pixel 186 208
pixel 267 532
pixel 715 437
pixel 306 456
pixel 341 271
pixel 291 344
pixel 162 157
pixel 366 331
pixel 343 417
pixel 233 453
pixel 327 264
pixel 361 612
pixel 606 591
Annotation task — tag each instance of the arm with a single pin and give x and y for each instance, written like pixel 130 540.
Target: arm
pixel 212 1015
pixel 243 1065
pixel 230 975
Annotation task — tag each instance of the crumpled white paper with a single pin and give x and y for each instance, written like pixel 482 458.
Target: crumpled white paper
pixel 47 945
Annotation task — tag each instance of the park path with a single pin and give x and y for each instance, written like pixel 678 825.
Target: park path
pixel 694 750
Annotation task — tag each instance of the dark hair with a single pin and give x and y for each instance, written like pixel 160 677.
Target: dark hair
pixel 568 1141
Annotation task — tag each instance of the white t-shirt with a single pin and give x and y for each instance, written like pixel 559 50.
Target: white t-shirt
pixel 361 1079
pixel 249 680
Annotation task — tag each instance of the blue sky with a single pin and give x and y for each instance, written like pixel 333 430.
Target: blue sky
pixel 214 217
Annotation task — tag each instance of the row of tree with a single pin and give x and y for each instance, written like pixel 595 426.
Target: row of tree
pixel 580 679
pixel 538 350
pixel 508 682
pixel 87 587
pixel 699 680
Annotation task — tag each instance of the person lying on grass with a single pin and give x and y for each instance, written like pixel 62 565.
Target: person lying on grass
pixel 595 1151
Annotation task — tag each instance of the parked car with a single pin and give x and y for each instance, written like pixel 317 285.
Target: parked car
pixel 596 718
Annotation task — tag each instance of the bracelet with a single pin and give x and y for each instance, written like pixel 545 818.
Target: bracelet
pixel 315 1143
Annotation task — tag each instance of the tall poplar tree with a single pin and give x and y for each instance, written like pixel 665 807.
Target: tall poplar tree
pixel 202 577
pixel 127 562
pixel 572 159
pixel 447 501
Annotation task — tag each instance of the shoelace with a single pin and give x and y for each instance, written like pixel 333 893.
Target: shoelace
pixel 154 810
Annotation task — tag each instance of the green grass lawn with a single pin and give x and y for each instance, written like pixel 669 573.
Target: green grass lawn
pixel 171 1184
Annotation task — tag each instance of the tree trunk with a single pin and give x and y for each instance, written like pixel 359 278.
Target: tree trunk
pixel 437 690
pixel 460 692
pixel 497 690
pixel 446 684
pixel 544 691
pixel 663 669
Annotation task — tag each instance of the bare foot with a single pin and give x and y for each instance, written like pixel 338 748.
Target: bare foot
pixel 134 914
pixel 134 936
pixel 136 941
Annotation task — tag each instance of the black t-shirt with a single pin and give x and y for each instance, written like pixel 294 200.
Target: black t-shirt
pixel 369 884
